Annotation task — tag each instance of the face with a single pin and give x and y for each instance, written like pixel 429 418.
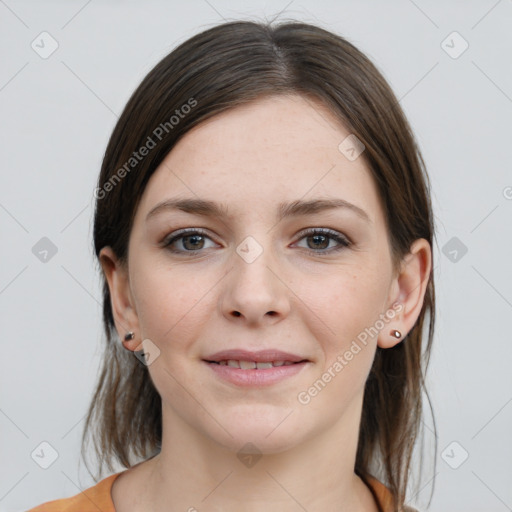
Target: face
pixel 307 283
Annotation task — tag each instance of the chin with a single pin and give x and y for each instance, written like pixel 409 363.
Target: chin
pixel 269 429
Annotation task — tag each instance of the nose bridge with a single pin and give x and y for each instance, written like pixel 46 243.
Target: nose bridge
pixel 254 288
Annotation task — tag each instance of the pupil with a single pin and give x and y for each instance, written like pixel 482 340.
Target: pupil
pixel 193 237
pixel 316 237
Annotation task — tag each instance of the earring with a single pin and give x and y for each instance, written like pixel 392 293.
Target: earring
pixel 396 334
pixel 128 337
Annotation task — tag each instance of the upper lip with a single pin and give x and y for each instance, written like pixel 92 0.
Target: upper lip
pixel 260 356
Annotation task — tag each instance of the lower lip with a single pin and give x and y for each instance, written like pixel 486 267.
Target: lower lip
pixel 255 377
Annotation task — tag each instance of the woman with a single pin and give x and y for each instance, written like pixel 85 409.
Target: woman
pixel 265 231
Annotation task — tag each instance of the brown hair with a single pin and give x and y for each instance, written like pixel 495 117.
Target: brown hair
pixel 216 70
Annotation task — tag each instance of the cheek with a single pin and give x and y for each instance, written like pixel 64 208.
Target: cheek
pixel 351 302
pixel 173 310
pixel 349 309
pixel 170 302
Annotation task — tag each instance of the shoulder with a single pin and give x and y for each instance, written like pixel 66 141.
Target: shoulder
pixel 384 496
pixel 97 497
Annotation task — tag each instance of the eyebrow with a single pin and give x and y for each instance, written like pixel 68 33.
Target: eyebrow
pixel 295 208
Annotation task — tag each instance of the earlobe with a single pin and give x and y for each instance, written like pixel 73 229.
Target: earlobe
pixel 409 287
pixel 390 337
pixel 124 314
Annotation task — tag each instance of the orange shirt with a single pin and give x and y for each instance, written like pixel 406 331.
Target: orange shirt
pixel 98 498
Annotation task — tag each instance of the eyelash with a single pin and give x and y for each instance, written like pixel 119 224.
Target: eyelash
pixel 333 235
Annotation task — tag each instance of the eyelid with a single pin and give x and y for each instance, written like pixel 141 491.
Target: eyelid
pixel 342 240
pixel 186 232
pixel 326 231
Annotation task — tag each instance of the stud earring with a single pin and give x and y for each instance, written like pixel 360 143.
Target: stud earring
pixel 128 337
pixel 396 334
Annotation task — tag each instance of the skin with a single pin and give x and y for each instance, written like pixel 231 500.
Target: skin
pixel 190 305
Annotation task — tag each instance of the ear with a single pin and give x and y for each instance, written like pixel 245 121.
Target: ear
pixel 121 300
pixel 407 290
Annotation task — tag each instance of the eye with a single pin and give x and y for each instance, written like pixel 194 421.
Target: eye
pixel 319 239
pixel 191 241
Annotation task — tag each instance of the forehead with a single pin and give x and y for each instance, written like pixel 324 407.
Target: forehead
pixel 268 151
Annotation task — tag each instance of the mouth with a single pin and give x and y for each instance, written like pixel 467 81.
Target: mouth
pixel 260 360
pixel 263 368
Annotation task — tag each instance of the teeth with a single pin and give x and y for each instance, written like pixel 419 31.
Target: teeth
pixel 247 365
pixel 250 365
pixel 262 366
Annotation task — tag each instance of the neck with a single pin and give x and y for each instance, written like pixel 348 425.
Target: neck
pixel 193 472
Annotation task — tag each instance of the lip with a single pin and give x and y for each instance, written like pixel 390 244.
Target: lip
pixel 255 377
pixel 260 356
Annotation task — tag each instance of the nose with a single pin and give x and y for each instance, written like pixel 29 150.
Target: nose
pixel 255 292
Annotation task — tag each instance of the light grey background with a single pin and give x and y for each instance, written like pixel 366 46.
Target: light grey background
pixel 57 114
